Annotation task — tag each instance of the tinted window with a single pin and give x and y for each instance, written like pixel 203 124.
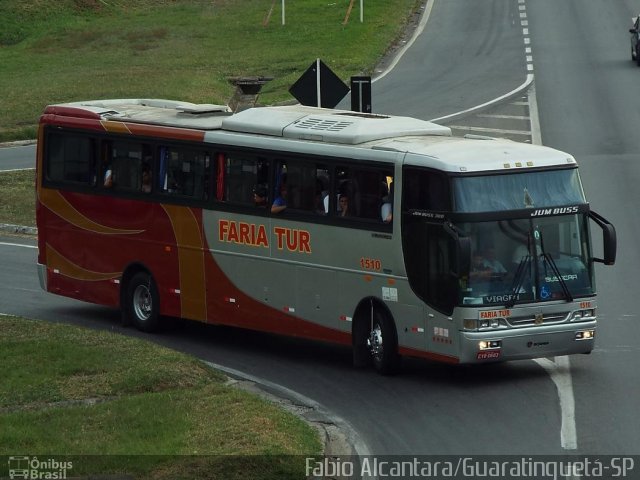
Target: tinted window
pixel 183 172
pixel 239 177
pixel 301 185
pixel 70 158
pixel 425 190
pixel 361 192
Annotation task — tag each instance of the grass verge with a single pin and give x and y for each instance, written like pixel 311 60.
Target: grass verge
pixel 118 405
pixel 71 50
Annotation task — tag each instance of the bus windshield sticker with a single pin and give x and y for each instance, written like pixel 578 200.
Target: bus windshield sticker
pixel 390 294
pixel 528 201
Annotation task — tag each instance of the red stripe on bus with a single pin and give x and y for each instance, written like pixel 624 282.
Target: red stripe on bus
pixel 412 352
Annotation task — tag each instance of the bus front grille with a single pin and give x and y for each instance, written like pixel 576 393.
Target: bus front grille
pixel 533 320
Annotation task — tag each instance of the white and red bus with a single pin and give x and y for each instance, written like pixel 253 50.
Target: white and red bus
pixel 384 233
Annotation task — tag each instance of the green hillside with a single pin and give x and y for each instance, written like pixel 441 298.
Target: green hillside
pixel 65 50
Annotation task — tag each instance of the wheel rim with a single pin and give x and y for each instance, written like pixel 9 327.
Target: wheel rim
pixel 142 303
pixel 375 342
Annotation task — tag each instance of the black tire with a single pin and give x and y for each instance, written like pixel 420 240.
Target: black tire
pixel 382 342
pixel 142 303
pixel 359 341
pixel 637 57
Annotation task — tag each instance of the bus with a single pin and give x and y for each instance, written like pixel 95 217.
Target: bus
pixel 383 233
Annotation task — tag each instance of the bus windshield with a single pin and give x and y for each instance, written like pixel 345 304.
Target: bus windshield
pixel 493 193
pixel 527 260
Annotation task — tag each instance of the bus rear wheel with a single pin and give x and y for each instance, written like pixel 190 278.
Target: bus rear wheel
pixel 142 302
pixel 382 343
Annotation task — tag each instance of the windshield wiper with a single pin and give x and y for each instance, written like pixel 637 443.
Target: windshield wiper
pixel 556 271
pixel 517 281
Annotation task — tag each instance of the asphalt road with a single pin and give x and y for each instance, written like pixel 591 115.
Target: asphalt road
pixel 470 52
pixel 586 82
pixel 17 157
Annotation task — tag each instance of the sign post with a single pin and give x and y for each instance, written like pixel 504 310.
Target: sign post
pixel 361 94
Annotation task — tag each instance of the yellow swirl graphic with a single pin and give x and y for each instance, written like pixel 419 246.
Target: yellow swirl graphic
pixel 59 205
pixel 63 266
pixel 193 293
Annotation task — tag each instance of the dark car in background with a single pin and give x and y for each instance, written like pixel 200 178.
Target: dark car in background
pixel 635 39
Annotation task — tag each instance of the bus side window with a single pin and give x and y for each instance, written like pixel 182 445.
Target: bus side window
pixel 239 178
pixel 365 189
pixel 183 172
pixel 70 158
pixel 425 190
pixel 125 165
pixel 306 183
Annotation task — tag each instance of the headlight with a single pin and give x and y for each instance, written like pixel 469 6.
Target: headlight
pixel 585 334
pixel 491 323
pixel 583 314
pixel 489 344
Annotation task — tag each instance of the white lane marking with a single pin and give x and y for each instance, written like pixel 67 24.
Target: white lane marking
pixel 522 87
pixel 560 372
pixel 18 245
pixel 505 117
pixel 534 119
pixel 490 130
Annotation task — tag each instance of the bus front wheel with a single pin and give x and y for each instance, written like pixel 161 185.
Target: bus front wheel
pixel 382 342
pixel 142 302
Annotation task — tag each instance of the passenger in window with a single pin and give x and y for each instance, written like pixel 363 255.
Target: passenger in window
pixel 321 199
pixel 280 202
pixel 107 180
pixel 146 178
pixel 321 203
pixel 343 205
pixel 386 211
pixel 260 196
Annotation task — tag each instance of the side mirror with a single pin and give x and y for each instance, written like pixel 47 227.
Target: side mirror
pixel 609 239
pixel 633 30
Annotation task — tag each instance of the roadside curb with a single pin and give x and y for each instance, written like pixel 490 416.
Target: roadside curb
pixel 18 229
pixel 18 143
pixel 339 438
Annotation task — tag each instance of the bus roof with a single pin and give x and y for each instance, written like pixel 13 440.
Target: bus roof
pixel 293 121
pixel 426 143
